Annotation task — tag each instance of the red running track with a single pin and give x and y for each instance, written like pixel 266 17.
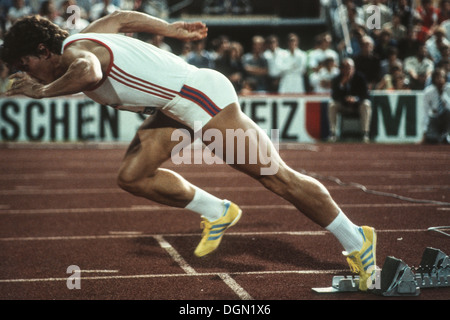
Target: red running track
pixel 60 206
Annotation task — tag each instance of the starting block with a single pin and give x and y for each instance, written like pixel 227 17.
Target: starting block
pixel 398 279
pixel 434 269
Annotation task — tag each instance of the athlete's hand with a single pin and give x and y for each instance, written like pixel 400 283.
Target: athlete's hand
pixel 188 31
pixel 22 83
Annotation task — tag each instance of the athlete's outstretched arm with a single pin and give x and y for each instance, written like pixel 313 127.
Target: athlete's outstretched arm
pixel 83 71
pixel 133 21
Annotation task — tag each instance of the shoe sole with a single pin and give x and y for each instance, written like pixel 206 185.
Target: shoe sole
pixel 374 244
pixel 238 217
pixel 374 249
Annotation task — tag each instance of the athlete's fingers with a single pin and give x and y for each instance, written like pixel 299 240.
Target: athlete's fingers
pixel 197 30
pixel 17 75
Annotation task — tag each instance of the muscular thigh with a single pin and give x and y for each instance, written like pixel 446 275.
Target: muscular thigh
pixel 151 146
pixel 257 151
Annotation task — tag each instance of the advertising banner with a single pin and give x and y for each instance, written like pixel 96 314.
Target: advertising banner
pixel 397 117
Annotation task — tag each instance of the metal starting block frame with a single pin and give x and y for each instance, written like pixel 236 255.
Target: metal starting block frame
pixel 434 270
pixel 398 279
pixel 341 284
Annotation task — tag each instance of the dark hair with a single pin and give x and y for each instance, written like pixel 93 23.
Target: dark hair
pixel 437 73
pixel 24 37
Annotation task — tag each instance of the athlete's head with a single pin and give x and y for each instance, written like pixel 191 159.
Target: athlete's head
pixel 31 36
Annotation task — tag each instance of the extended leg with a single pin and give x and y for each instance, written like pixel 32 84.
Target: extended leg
pixel 304 192
pixel 307 194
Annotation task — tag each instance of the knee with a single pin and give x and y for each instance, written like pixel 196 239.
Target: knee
pixel 366 107
pixel 126 179
pixel 129 179
pixel 332 106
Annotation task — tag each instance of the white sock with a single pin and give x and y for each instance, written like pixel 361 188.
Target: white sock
pixel 346 232
pixel 206 204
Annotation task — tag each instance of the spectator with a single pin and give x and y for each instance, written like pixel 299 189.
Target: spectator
pixel 404 10
pixel 349 11
pixel 199 57
pixel 446 26
pixel 321 79
pixel 409 44
pixel 248 87
pixel 444 62
pixel 84 5
pixel 420 31
pixel 186 49
pixel 390 61
pixel 158 41
pixel 255 65
pixel 428 13
pixel 318 55
pixel 350 95
pixel 418 68
pixel 395 79
pixel 384 43
pixel 399 82
pixel 437 107
pixel 157 8
pixel 219 46
pixel 48 10
pixel 102 9
pixel 293 67
pixel 397 29
pixel 357 33
pixel 18 10
pixel 445 65
pixel 444 11
pixel 274 55
pixel 368 63
pixel 230 64
pixel 435 43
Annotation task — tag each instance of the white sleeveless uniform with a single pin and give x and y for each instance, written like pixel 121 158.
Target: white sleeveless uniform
pixel 141 75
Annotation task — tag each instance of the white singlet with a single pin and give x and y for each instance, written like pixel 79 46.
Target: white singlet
pixel 141 75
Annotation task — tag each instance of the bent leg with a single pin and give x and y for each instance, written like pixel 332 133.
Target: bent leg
pixel 140 172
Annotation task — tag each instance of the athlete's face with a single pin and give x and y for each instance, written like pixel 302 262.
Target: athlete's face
pixel 37 67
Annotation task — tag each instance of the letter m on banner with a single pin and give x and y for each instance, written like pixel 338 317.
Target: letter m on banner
pixel 394 116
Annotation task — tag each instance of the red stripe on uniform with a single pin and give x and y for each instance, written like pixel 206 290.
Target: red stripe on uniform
pixel 125 74
pixel 139 86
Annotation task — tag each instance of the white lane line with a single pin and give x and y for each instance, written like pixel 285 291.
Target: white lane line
pixel 132 236
pixel 141 208
pixel 99 271
pixel 230 282
pixel 125 232
pixel 174 254
pixel 172 275
pixel 52 175
pixel 37 190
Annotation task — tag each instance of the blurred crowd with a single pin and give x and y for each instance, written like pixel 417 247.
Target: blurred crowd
pixel 411 40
